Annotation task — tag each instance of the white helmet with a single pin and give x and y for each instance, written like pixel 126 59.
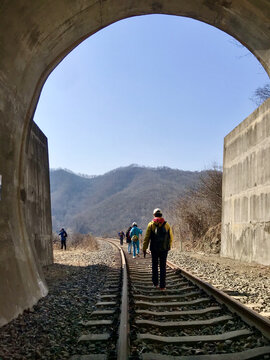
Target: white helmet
pixel 157 211
pixel 134 224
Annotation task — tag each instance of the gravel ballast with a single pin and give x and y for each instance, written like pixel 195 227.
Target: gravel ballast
pixel 51 328
pixel 248 283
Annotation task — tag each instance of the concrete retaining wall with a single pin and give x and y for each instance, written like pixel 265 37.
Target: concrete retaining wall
pixel 21 278
pixel 246 189
pixel 37 208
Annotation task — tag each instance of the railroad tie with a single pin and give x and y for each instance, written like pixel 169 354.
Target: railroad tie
pixel 152 290
pixel 106 303
pixel 149 281
pixel 148 276
pixel 164 297
pixel 188 323
pixel 196 338
pixel 110 290
pixel 179 313
pixel 96 322
pixel 94 337
pixel 243 355
pixel 169 286
pixel 108 296
pixel 102 312
pixel 172 304
pixel 89 357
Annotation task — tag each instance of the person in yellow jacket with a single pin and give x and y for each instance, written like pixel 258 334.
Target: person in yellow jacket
pixel 160 236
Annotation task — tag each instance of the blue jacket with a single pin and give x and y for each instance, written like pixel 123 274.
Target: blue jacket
pixel 63 234
pixel 135 231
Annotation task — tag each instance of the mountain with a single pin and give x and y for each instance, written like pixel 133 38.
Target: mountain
pixel 108 203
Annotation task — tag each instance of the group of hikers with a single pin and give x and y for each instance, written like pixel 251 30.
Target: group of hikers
pixel 132 238
pixel 159 235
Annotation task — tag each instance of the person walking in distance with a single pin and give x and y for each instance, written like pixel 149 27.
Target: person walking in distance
pixel 63 235
pixel 160 236
pixel 135 232
pixel 128 239
pixel 121 235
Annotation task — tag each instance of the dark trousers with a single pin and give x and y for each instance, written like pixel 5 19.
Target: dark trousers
pixel 63 244
pixel 161 257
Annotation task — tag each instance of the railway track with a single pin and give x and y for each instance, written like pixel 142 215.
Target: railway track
pixel 191 320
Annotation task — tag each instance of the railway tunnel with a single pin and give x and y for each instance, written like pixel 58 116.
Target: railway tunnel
pixel 34 38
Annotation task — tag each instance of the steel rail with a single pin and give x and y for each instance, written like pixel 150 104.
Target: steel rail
pixel 250 316
pixel 123 330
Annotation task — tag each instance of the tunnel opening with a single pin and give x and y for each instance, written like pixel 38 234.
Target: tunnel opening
pixel 109 111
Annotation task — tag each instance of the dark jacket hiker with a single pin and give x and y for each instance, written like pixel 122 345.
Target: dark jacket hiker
pixel 128 239
pixel 121 235
pixel 63 235
pixel 160 236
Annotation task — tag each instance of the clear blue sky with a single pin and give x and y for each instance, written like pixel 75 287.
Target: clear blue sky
pixel 153 90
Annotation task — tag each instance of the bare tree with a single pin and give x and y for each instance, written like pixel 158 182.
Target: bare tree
pixel 261 94
pixel 199 208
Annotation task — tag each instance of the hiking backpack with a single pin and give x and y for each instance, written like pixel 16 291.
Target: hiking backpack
pixel 135 238
pixel 160 238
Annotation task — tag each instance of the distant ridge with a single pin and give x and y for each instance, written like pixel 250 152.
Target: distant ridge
pixel 105 204
pixel 72 172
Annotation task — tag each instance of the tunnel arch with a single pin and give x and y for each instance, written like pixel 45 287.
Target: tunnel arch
pixel 34 38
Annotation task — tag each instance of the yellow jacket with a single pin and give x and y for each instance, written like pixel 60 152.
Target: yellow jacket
pixel 151 228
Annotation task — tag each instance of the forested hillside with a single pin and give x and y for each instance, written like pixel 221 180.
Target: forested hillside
pixel 108 203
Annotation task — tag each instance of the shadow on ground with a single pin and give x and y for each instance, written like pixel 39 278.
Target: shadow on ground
pixel 51 328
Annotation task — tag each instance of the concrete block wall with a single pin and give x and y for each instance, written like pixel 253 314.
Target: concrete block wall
pixel 26 244
pixel 246 189
pixel 37 206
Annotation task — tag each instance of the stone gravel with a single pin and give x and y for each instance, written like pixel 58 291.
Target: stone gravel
pixel 51 328
pixel 248 283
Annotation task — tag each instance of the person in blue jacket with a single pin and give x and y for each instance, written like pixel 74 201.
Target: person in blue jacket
pixel 63 235
pixel 135 233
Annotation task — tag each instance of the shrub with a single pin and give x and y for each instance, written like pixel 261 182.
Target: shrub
pixel 199 208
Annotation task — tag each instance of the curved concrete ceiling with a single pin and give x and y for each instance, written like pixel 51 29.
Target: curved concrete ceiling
pixel 36 35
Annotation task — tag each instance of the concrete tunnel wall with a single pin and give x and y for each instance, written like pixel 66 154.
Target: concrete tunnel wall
pixel 37 211
pixel 37 205
pixel 246 189
pixel 34 37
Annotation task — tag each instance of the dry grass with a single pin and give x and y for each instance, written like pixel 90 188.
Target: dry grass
pixel 77 241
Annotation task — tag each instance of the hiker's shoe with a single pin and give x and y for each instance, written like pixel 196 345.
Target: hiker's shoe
pixel 134 257
pixel 156 286
pixel 162 289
